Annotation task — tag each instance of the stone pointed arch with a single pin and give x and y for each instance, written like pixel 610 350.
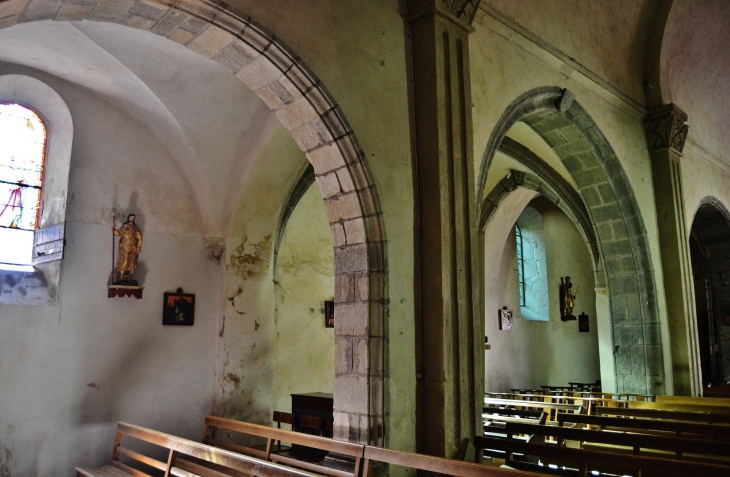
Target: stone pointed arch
pixel 614 214
pixel 305 108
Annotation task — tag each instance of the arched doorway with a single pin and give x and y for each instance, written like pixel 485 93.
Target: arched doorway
pixel 710 253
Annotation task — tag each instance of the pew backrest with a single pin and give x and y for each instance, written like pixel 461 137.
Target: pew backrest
pixel 705 417
pixel 587 461
pixel 177 447
pixel 678 428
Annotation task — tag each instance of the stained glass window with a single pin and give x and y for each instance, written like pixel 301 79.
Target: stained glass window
pixel 22 156
pixel 520 265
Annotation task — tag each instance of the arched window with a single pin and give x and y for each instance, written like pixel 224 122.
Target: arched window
pixel 22 161
pixel 520 264
pixel 532 266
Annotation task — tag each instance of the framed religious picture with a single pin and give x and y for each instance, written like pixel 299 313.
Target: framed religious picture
pixel 329 314
pixel 178 308
pixel 505 319
pixel 583 323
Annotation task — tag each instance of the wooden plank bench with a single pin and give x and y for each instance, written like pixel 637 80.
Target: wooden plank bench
pixel 584 461
pixel 234 464
pixel 705 417
pixel 676 428
pixel 213 426
pixel 680 448
pixel 678 406
pixel 550 408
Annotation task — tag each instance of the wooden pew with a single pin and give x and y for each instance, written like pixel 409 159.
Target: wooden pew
pixel 585 461
pixel 351 450
pixel 716 452
pixel 676 428
pixel 550 408
pixel 232 463
pixel 705 417
pixel 678 406
pixel 435 465
pixel 702 401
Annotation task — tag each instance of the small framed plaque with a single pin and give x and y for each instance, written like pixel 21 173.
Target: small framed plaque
pixel 329 314
pixel 178 308
pixel 505 319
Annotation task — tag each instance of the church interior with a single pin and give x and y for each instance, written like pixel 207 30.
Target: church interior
pixel 414 214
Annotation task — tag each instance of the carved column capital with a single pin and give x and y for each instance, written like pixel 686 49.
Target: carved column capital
pixel 461 12
pixel 665 128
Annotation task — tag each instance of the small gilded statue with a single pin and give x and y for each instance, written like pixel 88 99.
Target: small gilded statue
pixel 130 246
pixel 567 299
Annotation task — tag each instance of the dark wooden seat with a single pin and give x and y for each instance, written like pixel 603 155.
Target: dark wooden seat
pixel 706 417
pixel 581 462
pixel 659 426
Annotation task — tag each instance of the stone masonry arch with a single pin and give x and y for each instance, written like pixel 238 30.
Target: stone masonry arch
pixel 304 107
pixel 614 214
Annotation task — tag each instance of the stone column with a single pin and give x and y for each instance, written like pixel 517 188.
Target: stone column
pixel 666 133
pixel 450 380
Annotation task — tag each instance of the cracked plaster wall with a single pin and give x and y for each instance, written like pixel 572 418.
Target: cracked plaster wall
pixel 305 349
pixel 70 372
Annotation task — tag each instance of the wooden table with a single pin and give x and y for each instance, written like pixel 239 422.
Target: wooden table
pixel 311 404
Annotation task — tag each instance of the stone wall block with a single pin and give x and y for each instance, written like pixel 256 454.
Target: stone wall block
pixel 211 41
pixel 623 360
pixel 169 23
pixel 360 356
pixel 633 307
pixel 230 23
pixel 376 256
pixel 355 231
pixel 259 73
pixel 328 184
pixel 280 57
pixel 604 231
pixel 337 232
pixel 12 8
pixel 341 426
pixel 614 248
pixel 183 37
pixel 307 136
pixel 345 288
pixel 325 159
pixel 359 176
pixel 319 100
pixel 342 207
pixel 367 201
pixel 299 78
pixel 351 319
pixel 285 94
pixel 362 287
pixel 345 180
pixel 372 228
pixel 343 355
pixel 351 258
pixel 195 25
pixel 605 213
pixel 39 10
pixel 627 264
pixel 589 177
pixel 76 13
pixel 377 366
pixel 268 96
pixel 376 315
pixel 635 384
pixel 618 310
pixel 296 113
pixel 154 11
pixel 111 11
pixel 654 361
pixel 350 150
pixel 334 119
pixel 256 38
pixel 198 8
pixel 649 312
pixel 351 394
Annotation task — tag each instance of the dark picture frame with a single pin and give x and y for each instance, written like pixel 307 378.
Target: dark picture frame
pixel 178 309
pixel 505 319
pixel 329 314
pixel 583 326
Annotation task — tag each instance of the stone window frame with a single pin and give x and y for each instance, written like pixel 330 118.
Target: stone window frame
pixel 533 313
pixel 40 286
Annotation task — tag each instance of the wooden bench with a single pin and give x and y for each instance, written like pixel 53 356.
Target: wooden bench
pixel 676 428
pixel 680 448
pixel 679 406
pixel 705 417
pixel 584 461
pixel 177 447
pixel 214 425
pixel 550 408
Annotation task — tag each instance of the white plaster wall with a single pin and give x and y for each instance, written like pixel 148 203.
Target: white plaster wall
pixel 305 349
pixel 538 353
pixel 69 373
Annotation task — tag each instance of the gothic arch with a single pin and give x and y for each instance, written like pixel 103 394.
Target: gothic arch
pixel 622 242
pixel 305 108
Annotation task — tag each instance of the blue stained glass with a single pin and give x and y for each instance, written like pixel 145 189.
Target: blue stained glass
pixel 22 155
pixel 520 265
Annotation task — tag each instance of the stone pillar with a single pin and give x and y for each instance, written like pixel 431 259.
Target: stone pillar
pixel 450 380
pixel 666 133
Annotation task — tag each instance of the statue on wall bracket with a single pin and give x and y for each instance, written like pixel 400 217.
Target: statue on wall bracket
pixel 567 299
pixel 130 246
